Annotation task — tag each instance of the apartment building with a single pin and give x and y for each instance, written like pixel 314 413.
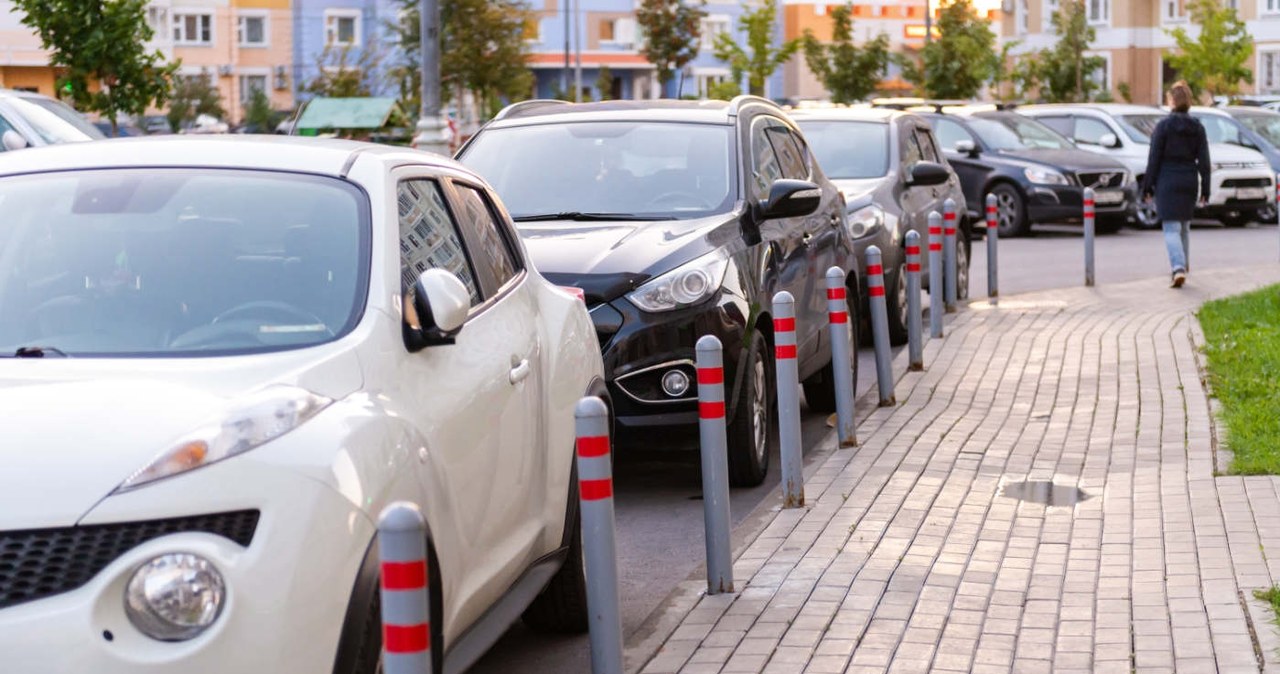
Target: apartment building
pixel 1132 37
pixel 23 64
pixel 353 25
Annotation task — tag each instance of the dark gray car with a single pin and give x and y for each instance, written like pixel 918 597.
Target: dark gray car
pixel 888 166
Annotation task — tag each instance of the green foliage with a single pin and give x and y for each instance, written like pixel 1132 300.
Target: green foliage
pixel 1006 72
pixel 849 72
pixel 1242 345
pixel 1270 595
pixel 1126 92
pixel 192 96
pixel 1064 70
pixel 604 84
pixel 1217 61
pixel 343 72
pixel 258 113
pixel 724 91
pixel 960 60
pixel 103 43
pixel 672 30
pixel 482 50
pixel 764 58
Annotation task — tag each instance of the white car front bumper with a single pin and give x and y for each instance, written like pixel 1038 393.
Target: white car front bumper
pixel 1241 188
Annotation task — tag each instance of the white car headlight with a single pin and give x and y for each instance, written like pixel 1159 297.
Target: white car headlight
pixel 683 286
pixel 251 421
pixel 865 220
pixel 174 597
pixel 1045 176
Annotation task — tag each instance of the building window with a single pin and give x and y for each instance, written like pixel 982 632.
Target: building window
pixel 1269 6
pixel 249 84
pixel 1269 72
pixel 252 31
pixel 1102 74
pixel 158 19
pixel 1173 11
pixel 711 27
pixel 533 30
pixel 1051 8
pixel 618 31
pixel 193 29
pixel 1099 11
pixel 342 28
pixel 1024 17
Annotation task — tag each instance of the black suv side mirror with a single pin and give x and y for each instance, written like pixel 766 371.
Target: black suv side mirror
pixel 929 173
pixel 790 199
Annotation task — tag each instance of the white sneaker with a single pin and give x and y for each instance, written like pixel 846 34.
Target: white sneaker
pixel 1178 279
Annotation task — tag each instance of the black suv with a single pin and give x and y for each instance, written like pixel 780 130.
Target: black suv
pixel 679 219
pixel 1037 175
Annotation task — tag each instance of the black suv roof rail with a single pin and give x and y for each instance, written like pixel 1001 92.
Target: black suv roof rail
pixel 515 109
pixel 747 99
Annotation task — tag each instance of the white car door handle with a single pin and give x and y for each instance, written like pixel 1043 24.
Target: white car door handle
pixel 520 371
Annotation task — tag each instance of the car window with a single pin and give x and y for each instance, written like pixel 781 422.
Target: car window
pixel 949 133
pixel 429 238
pixel 997 136
pixel 849 149
pixel 911 153
pixel 1062 125
pixel 1267 126
pixel 1089 130
pixel 1140 127
pixel 927 149
pixel 5 126
pixel 765 168
pixel 1032 133
pixel 790 156
pixel 492 254
pixel 1220 129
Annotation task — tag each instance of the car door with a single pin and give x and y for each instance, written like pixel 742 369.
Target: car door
pixel 1088 134
pixel 972 171
pixel 471 399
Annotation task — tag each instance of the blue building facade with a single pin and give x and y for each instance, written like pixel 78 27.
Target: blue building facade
pixel 355 24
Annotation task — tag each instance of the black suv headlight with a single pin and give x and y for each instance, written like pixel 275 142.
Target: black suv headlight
pixel 684 286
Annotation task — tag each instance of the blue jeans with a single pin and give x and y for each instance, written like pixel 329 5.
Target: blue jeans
pixel 1177 238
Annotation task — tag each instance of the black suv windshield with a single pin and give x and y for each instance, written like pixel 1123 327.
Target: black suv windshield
pixel 640 169
pixel 1029 133
pixel 849 150
pixel 174 262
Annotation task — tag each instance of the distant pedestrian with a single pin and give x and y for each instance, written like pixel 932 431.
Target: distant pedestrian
pixel 1179 155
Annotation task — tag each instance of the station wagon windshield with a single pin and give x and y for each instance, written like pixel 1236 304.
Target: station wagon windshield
pixel 174 262
pixel 633 169
pixel 1016 134
pixel 849 150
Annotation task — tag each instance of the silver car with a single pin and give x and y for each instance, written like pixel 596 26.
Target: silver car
pixel 32 120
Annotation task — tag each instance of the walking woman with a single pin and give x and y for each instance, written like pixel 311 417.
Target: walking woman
pixel 1178 166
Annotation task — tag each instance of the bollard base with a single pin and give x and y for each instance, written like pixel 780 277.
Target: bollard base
pixel 951 310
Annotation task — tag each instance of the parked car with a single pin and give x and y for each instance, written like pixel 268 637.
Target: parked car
pixel 679 219
pixel 156 125
pixel 1253 127
pixel 888 166
pixel 32 120
pixel 1242 183
pixel 1037 176
pixel 207 402
pixel 124 129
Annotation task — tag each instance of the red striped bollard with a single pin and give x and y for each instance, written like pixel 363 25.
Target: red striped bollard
pixel 599 549
pixel 949 251
pixel 935 275
pixel 993 242
pixel 715 465
pixel 879 325
pixel 841 355
pixel 788 377
pixel 1089 216
pixel 406 609
pixel 915 331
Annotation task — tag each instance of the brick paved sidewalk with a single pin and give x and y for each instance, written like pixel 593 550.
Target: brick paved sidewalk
pixel 914 556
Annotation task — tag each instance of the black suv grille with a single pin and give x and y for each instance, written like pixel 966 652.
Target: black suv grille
pixel 39 563
pixel 1095 179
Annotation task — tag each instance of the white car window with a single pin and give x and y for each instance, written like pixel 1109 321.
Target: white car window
pixel 429 238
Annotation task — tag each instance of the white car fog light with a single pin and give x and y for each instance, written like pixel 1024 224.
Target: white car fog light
pixel 174 597
pixel 675 383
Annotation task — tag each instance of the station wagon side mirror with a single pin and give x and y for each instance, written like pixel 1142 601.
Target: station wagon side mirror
pixel 12 140
pixel 439 308
pixel 967 147
pixel 925 173
pixel 790 199
pixel 1109 140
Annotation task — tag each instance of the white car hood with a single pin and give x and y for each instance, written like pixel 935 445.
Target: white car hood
pixel 1234 154
pixel 75 429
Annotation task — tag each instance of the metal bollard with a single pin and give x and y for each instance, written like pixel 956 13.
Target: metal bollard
pixel 949 253
pixel 406 610
pixel 915 338
pixel 879 325
pixel 841 355
pixel 993 241
pixel 1088 236
pixel 788 378
pixel 715 465
pixel 599 549
pixel 935 275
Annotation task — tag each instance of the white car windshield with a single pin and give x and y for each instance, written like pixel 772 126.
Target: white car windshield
pixel 635 169
pixel 171 262
pixel 54 121
pixel 849 150
pixel 1030 133
pixel 1140 127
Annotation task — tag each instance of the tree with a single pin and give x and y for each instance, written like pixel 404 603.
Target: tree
pixel 673 29
pixel 962 58
pixel 482 50
pixel 1006 72
pixel 258 113
pixel 1064 71
pixel 724 91
pixel 849 72
pixel 763 59
pixel 604 83
pixel 192 96
pixel 1215 62
pixel 101 48
pixel 339 74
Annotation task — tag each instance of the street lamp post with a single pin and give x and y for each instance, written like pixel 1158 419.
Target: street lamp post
pixel 928 22
pixel 431 135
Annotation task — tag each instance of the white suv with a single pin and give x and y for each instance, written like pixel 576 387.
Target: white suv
pixel 214 375
pixel 1241 183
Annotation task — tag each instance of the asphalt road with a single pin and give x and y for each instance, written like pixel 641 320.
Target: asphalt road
pixel 659 519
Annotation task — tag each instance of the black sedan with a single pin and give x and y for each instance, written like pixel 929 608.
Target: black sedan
pixel 1037 175
pixel 679 219
pixel 892 174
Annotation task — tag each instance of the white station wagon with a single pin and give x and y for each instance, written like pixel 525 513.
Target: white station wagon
pixel 221 358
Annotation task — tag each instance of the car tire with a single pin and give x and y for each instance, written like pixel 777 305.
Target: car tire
pixel 1108 225
pixel 1236 218
pixel 1267 215
pixel 561 607
pixel 748 433
pixel 896 302
pixel 820 389
pixel 1011 211
pixel 368 659
pixel 962 269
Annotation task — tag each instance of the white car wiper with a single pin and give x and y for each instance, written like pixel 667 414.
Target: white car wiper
pixel 38 352
pixel 592 217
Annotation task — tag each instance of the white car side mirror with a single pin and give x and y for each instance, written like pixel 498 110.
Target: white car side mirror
pixel 1109 140
pixel 442 304
pixel 12 140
